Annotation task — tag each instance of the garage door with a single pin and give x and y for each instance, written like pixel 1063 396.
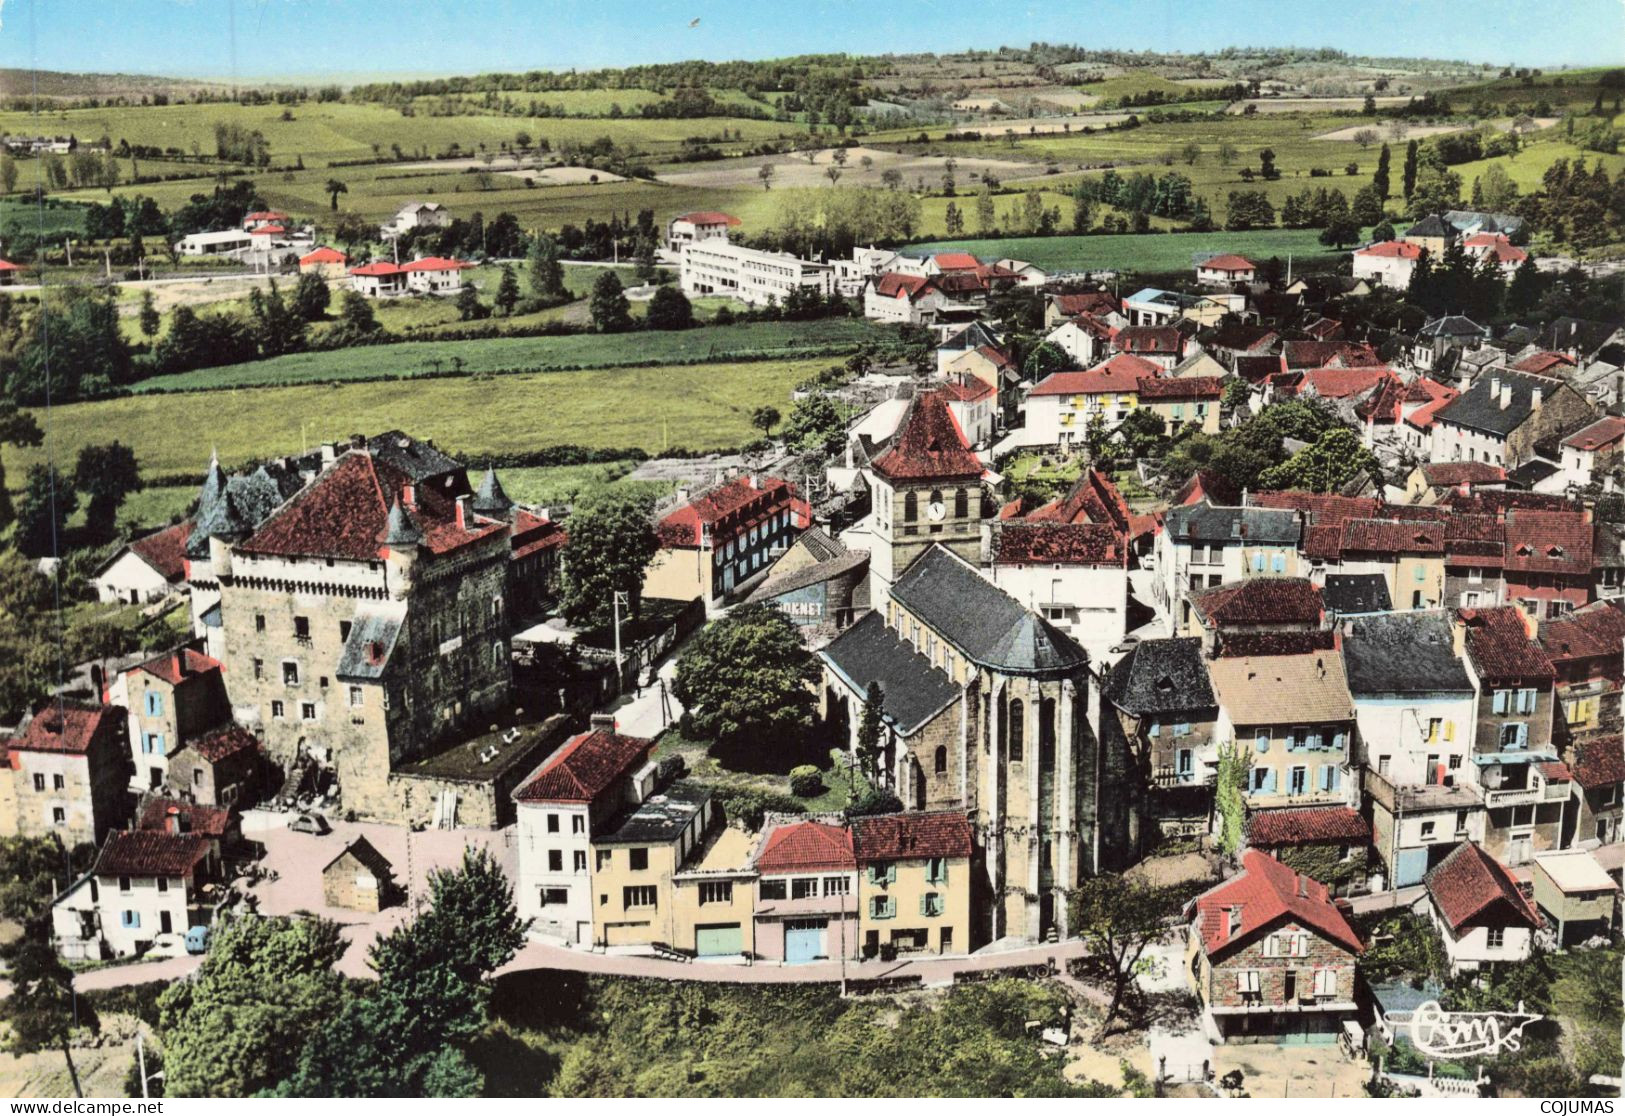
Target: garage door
pixel 804 939
pixel 718 939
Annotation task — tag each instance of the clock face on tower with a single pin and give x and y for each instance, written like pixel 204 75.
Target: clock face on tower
pixel 936 509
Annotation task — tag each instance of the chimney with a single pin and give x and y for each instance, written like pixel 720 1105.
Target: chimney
pixel 682 495
pixel 329 453
pixel 1506 396
pixel 180 665
pixel 1534 399
pixel 603 722
pixel 1495 385
pixel 358 441
pixel 172 820
pixel 1303 888
pixel 409 496
pixel 1233 923
pixel 462 513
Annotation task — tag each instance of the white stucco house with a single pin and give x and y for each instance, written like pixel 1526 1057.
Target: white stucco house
pixel 1482 916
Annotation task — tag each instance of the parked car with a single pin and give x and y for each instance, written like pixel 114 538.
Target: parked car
pixel 197 939
pixel 310 823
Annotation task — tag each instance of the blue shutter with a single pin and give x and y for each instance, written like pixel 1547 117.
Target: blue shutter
pixel 1325 778
pixel 1262 741
pixel 1523 736
pixel 160 737
pixel 1155 730
pixel 1337 778
pixel 1258 563
pixel 1269 781
pixel 1279 563
pixel 1182 729
pixel 1499 703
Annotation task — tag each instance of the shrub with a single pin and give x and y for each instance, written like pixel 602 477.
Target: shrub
pixel 750 807
pixel 874 801
pixel 806 781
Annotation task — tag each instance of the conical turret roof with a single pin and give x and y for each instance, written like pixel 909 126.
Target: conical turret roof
pixel 490 499
pixel 401 530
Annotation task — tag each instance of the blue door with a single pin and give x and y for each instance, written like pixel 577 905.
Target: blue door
pixel 804 940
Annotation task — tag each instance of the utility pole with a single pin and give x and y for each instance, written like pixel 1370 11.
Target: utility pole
pixel 616 596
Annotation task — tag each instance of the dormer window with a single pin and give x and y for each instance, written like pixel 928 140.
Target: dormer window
pixel 1554 552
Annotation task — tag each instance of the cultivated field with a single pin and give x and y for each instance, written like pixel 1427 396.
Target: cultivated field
pixel 697 407
pixel 800 170
pixel 1154 253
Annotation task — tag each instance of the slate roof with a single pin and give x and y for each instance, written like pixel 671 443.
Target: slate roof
pixel 1203 523
pixel 142 852
pixel 231 508
pixel 911 836
pixel 1478 408
pixel 489 498
pixel 1403 653
pixel 808 846
pixel 367 856
pixel 1470 885
pixel 1309 826
pixel 929 445
pixel 1269 689
pixel 660 818
pixel 1260 600
pixel 587 766
pixel 1452 325
pixel 373 634
pixel 67 726
pixel 1268 893
pixel 1351 593
pixel 1022 543
pixel 1500 646
pixel 1578 334
pixel 983 622
pixel 217 745
pixel 1162 676
pixel 974 336
pixel 913 690
pixel 1431 225
pixel 810 575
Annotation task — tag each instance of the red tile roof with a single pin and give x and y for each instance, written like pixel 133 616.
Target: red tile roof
pixel 911 836
pixel 930 445
pixel 268 230
pixel 1093 498
pixel 1088 302
pixel 1392 536
pixel 1500 646
pixel 1255 369
pixel 1596 631
pixel 708 217
pixel 264 215
pixel 1392 249
pixel 142 852
pixel 217 745
pixel 1470 885
pixel 1228 263
pixel 1267 893
pixel 1122 373
pixel 436 263
pixel 1496 245
pixel 1599 763
pixel 7 265
pixel 1261 600
pixel 1557 542
pixel 67 726
pixel 586 767
pixel 956 261
pixel 966 390
pixel 1319 507
pixel 1451 473
pixel 1162 388
pixel 1322 824
pixel 532 533
pixel 807 846
pixel 1069 544
pixel 895 284
pixel 1542 363
pixel 180 666
pixel 740 501
pixel 165 551
pixel 343 513
pixel 1166 340
pixel 1342 383
pixel 378 267
pixel 204 821
pixel 1603 432
pixel 324 254
pixel 1328 354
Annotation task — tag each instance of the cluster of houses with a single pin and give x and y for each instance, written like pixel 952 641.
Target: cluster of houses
pixel 1421 681
pixel 1390 263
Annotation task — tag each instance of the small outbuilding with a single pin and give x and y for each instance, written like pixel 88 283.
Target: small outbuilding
pixel 359 879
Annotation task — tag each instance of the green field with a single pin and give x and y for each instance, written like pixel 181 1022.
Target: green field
pixel 505 355
pixel 1157 252
pixel 697 407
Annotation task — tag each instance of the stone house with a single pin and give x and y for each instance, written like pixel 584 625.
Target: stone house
pixel 722 539
pixel 178 695
pixel 1298 752
pixel 1575 896
pixel 1272 957
pixel 1163 701
pixel 70 773
pixel 359 879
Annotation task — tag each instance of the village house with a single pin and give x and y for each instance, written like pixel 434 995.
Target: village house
pixel 359 879
pixel 435 275
pixel 1440 341
pixel 146 569
pixel 1163 703
pixel 690 228
pixel 1203 545
pixel 1062 406
pixel 716 267
pixel 262 218
pixel 1593 451
pixel 578 791
pixel 1085 338
pixel 378 279
pixel 819 585
pixel 1182 402
pixel 1501 417
pixel 1298 753
pixel 806 893
pixel 1225 271
pixel 902 299
pixel 1075 575
pixel 1254 606
pixel 1585 649
pixel 416 215
pixel 973 403
pixel 1431 480
pixel 228 242
pixel 324 262
pixel 914 882
pixel 1388 263
pixel 1102 305
pixel 1272 957
pixel 178 695
pixel 9 273
pixel 1575 896
pixel 718 541
pixel 145 884
pixel 1335 831
pixel 1479 910
pixel 1598 766
pixel 1507 256
pixel 1162 346
pixel 70 771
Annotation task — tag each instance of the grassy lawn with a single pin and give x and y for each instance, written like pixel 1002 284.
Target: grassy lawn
pixel 697 406
pixel 1029 470
pixel 841 786
pixel 569 484
pixel 504 355
pixel 1162 252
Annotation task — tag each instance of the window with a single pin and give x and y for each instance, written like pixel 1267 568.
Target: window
pixel 1298 780
pixel 1495 937
pixel 1018 728
pixel 259 622
pixel 931 904
pixel 1514 736
pixel 555 860
pixel 1461 823
pixel 1247 982
pixel 155 704
pixel 881 874
pixel 940 764
pixel 1382 764
pixel 911 508
pixel 552 823
pixel 163 884
pixel 555 896
pixel 301 627
pixel 639 859
pixel 961 504
pixel 355 696
pixel 1427 831
pixel 773 889
pixel 936 870
pixel 124 885
pixel 259 669
pixel 837 885
pixel 344 631
pixel 307 710
pixel 39 782
pixel 290 674
pixel 59 815
pixel 1526 701
pixel 883 906
pixel 58 782
pixel 804 888
pixel 322 682
pixel 603 858
pixel 578 823
pixel 642 896
pixel 130 920
pixel 276 709
pixel 578 861
pixel 1325 982
pixel 720 891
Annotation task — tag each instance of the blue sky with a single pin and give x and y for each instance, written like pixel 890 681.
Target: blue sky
pixel 306 38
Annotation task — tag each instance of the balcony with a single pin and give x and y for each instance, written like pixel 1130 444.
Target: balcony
pixel 1419 798
pixel 1167 776
pixel 1531 795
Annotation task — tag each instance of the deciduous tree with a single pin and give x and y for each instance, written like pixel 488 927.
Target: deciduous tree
pixel 1120 919
pixel 747 677
pixel 611 543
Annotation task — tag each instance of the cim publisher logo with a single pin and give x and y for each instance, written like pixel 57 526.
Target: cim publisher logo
pixel 1468 1034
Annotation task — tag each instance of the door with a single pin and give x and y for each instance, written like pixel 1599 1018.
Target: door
pixel 1519 850
pixel 804 940
pixel 719 939
pixel 165 926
